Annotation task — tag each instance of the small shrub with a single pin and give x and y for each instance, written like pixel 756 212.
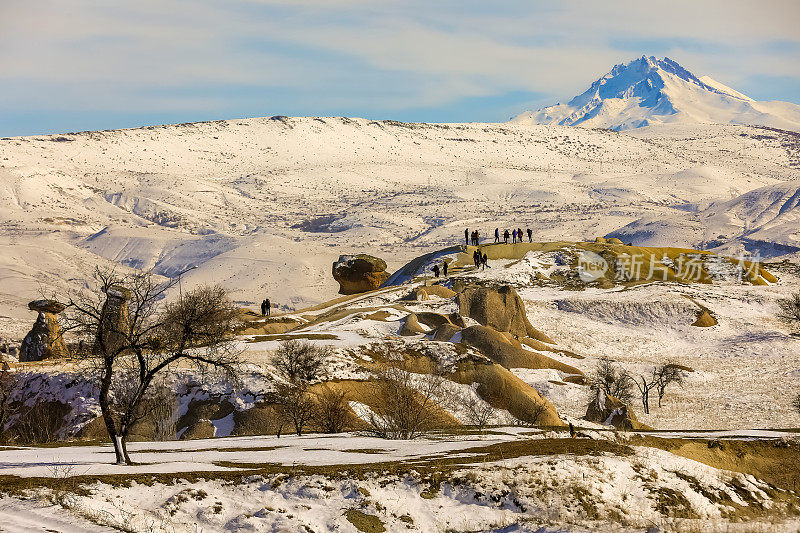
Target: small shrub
pixel 790 311
pixel 300 360
pixel 403 407
pixel 295 405
pixel 332 411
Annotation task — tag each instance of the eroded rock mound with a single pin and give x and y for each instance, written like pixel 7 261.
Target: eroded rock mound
pixel 424 293
pixel 503 348
pixel 115 320
pixel 503 390
pixel 500 308
pixel 607 410
pixel 359 273
pixel 45 340
pixel 705 320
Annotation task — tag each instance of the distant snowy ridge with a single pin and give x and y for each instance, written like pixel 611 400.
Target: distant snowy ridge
pixel 764 221
pixel 648 91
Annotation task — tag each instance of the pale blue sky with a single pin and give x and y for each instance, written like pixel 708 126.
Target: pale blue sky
pixel 93 64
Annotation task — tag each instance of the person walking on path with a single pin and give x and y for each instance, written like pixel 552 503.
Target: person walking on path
pixel 519 234
pixel 530 235
pixel 475 255
pixel 505 236
pixel 435 270
pixel 444 268
pixel 496 234
pixel 514 236
pixel 485 261
pixel 466 236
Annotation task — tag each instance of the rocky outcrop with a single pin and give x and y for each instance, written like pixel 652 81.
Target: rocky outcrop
pixel 503 348
pixel 411 326
pixel 202 429
pixel 359 273
pixel 499 308
pixel 503 390
pixel 424 293
pixel 426 322
pixel 445 332
pixel 607 410
pixel 114 320
pixel 705 320
pixel 45 340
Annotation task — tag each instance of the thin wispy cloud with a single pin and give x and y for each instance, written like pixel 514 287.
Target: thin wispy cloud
pixel 90 63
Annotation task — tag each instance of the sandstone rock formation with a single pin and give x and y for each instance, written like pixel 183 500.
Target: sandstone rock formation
pixel 501 309
pixel 114 319
pixel 424 293
pixel 359 273
pixel 45 340
pixel 202 429
pixel 411 326
pixel 503 348
pixel 503 390
pixel 606 409
pixel 445 332
pixel 705 320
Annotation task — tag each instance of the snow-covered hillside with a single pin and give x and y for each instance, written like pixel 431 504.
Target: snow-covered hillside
pixel 649 91
pixel 264 206
pixel 765 221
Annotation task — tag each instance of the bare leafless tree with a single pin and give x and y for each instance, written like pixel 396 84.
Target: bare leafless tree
pixel 645 383
pixel 534 415
pixel 332 410
pixel 39 423
pixel 136 336
pixel 478 412
pixel 790 311
pixel 299 360
pixel 295 404
pixel 611 379
pixel 403 405
pixel 667 374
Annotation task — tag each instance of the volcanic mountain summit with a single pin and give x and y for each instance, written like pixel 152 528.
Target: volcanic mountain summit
pixel 649 91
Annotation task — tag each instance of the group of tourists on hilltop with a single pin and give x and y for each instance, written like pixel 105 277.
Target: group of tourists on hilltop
pixel 472 238
pixel 479 259
pixel 516 235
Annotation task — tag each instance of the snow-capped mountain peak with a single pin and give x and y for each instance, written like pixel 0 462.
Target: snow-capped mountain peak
pixel 649 91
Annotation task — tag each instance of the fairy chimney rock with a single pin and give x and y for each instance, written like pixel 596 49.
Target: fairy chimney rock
pixel 45 340
pixel 114 318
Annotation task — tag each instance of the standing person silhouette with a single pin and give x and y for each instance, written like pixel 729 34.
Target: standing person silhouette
pixel 514 235
pixel 263 307
pixel 519 234
pixel 530 235
pixel 444 268
pixel 496 234
pixel 267 305
pixel 466 236
pixel 435 270
pixel 505 236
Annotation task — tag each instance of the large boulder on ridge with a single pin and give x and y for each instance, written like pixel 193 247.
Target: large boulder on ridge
pixel 45 340
pixel 499 308
pixel 359 273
